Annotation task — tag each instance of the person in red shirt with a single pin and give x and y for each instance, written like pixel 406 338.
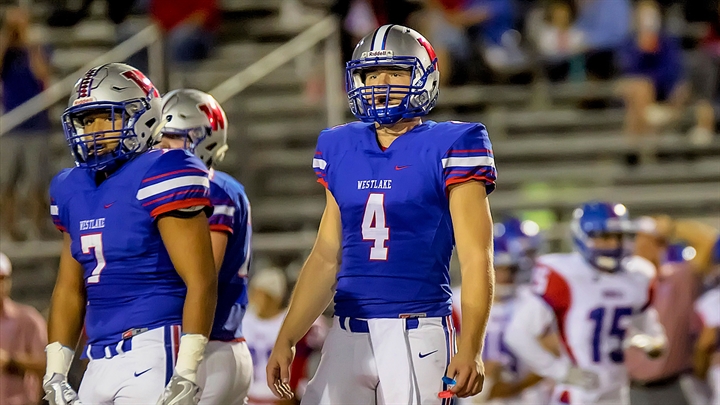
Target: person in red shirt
pixel 188 25
pixel 22 345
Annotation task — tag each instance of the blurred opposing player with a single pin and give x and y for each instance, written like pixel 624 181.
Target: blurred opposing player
pixel 399 193
pixel 707 353
pixel 506 378
pixel 136 263
pixel 196 122
pixel 598 299
pixel 262 322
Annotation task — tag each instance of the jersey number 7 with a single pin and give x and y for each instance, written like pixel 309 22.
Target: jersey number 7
pixel 373 226
pixel 93 242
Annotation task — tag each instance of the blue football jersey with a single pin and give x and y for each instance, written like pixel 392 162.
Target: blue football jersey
pixel 231 214
pixel 129 278
pixel 397 234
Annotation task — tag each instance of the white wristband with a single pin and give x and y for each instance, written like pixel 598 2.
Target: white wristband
pixel 192 348
pixel 59 358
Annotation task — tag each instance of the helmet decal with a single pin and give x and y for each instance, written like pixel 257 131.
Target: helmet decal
pixel 430 50
pixel 85 85
pixel 141 81
pixel 214 114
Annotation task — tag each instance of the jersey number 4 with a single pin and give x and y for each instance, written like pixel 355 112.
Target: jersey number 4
pixel 373 226
pixel 92 243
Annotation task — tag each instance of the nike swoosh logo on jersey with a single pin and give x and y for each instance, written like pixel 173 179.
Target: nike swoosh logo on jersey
pixel 401 167
pixel 422 356
pixel 142 372
pixel 109 205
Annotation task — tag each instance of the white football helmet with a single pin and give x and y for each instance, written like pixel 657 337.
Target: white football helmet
pixel 130 101
pixel 200 120
pixel 400 47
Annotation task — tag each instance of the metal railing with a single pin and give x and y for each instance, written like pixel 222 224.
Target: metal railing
pixel 326 30
pixel 149 38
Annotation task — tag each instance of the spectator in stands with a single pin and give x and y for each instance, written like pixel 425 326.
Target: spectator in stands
pixel 704 72
pixel 700 236
pixel 188 25
pixel 22 346
pixel 651 62
pixel 605 25
pixel 461 29
pixel 658 381
pixel 24 73
pixel 64 16
pixel 559 42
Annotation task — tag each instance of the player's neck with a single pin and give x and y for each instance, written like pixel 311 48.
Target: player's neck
pixel 386 134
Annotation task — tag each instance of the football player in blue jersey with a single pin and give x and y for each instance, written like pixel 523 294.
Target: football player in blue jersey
pixel 197 123
pixel 401 192
pixel 136 263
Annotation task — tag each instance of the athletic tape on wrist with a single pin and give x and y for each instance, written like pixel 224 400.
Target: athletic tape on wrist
pixel 59 358
pixel 190 354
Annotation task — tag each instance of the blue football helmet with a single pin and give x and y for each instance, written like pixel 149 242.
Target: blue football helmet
pixel 679 253
pixel 524 240
pixel 392 46
pixel 505 256
pixel 596 219
pixel 128 99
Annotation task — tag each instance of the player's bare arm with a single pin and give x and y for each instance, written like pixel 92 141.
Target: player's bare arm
pixel 219 245
pixel 472 225
pixel 313 292
pixel 703 354
pixel 187 241
pixel 67 308
pixel 67 312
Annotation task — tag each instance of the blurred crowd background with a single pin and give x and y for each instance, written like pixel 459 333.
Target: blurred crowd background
pixel 583 99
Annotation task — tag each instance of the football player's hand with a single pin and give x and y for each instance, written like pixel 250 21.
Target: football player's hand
pixel 652 346
pixel 584 379
pixel 278 369
pixel 468 372
pixel 58 391
pixel 180 391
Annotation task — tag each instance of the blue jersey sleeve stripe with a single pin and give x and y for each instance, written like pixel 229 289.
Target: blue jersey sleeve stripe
pixel 468 161
pixel 171 184
pixel 172 173
pixel 222 221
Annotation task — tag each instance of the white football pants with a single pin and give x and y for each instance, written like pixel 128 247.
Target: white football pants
pixel 363 364
pixel 225 373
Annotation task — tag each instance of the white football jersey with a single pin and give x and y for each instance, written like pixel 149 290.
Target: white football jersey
pixel 260 335
pixel 593 310
pixel 708 307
